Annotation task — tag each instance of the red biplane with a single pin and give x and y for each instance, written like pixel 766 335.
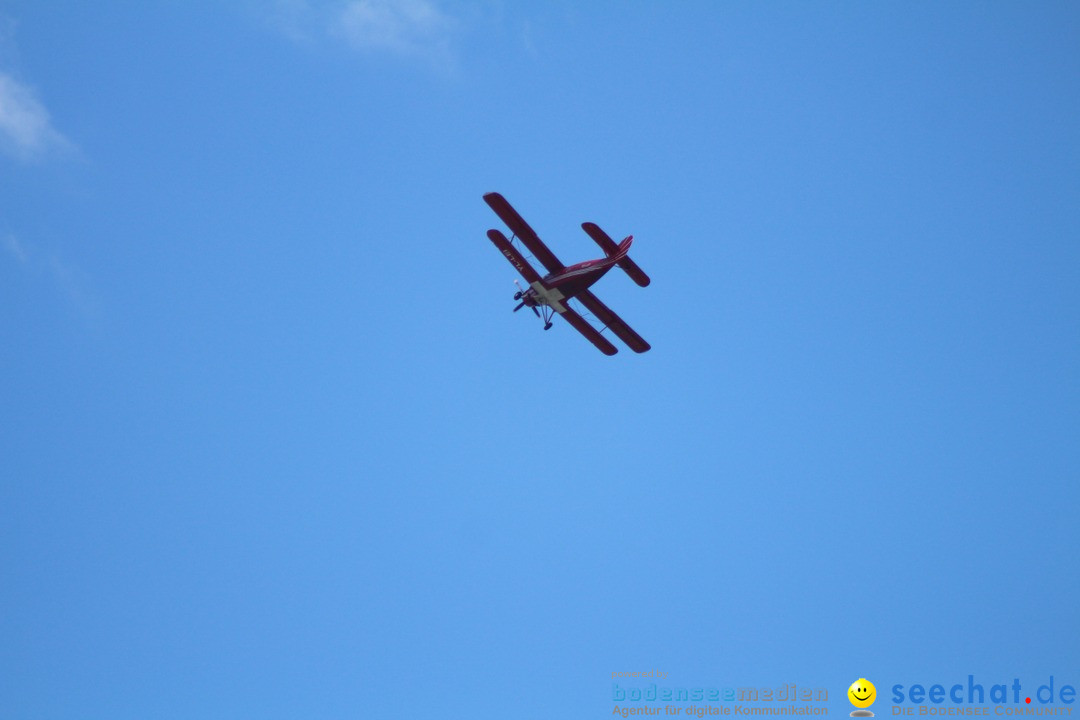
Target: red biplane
pixel 550 294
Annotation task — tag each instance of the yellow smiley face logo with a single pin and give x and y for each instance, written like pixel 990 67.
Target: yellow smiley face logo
pixel 862 693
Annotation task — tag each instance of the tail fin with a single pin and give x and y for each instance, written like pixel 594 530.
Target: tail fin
pixel 610 249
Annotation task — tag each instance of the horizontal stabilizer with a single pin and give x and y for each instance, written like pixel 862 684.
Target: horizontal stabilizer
pixel 610 249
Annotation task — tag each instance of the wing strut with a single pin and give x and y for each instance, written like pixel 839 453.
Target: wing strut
pixel 522 230
pixel 582 326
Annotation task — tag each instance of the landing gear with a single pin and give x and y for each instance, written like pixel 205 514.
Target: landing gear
pixel 548 314
pixel 542 311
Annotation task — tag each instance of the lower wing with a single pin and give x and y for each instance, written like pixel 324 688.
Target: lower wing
pixel 515 258
pixel 605 315
pixel 582 326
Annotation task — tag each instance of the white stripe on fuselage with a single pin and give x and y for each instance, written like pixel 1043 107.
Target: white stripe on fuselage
pixel 549 296
pixel 581 271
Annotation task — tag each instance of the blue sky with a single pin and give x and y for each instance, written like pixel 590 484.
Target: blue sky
pixel 274 446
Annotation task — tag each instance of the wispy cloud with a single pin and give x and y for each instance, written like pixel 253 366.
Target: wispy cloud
pixel 416 29
pixel 70 280
pixel 75 284
pixel 15 248
pixel 26 129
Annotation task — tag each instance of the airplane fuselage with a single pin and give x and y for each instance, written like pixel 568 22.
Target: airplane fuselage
pixel 556 287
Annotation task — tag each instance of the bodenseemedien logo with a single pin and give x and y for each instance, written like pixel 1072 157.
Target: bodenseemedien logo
pixel 862 694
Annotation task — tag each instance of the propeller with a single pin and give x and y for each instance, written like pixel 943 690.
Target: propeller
pixel 520 294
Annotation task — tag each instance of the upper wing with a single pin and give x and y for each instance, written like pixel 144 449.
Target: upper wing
pixel 605 315
pixel 513 256
pixel 521 228
pixel 582 326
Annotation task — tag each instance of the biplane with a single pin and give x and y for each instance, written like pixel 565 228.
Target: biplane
pixel 550 295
